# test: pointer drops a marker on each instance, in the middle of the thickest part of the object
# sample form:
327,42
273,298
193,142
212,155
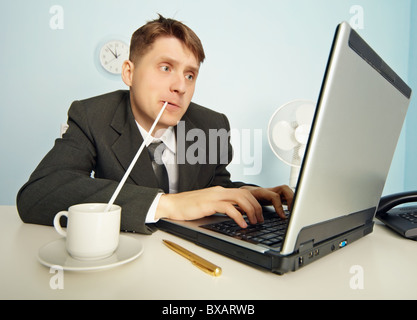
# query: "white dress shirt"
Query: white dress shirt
170,161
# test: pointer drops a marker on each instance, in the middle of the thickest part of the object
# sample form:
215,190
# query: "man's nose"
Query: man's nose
178,84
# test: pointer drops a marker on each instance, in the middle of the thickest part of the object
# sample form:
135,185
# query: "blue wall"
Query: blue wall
260,55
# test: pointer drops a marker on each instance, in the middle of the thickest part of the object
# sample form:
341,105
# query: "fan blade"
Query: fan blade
305,113
283,136
302,133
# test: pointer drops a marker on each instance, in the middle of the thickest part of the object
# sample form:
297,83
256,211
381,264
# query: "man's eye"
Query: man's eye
165,68
189,77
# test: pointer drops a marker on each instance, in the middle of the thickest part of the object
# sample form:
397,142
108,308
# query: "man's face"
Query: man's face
167,72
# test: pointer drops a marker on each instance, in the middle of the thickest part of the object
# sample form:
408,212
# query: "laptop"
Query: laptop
357,123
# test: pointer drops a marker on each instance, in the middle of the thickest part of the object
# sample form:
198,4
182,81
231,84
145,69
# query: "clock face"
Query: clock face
113,54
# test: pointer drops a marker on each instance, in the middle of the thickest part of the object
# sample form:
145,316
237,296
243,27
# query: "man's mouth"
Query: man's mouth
172,106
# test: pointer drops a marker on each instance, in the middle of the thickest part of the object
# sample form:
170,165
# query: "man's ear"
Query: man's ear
127,72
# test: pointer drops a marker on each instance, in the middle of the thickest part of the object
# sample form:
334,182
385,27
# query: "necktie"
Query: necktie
155,152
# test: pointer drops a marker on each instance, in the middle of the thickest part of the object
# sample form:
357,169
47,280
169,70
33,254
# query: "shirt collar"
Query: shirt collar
168,137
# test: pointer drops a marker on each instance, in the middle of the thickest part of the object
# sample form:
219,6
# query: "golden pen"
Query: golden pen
196,260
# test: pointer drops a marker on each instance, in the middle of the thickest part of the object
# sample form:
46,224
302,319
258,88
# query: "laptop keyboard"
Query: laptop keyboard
270,233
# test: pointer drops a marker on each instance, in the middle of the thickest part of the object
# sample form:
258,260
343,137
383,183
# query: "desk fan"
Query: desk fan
288,132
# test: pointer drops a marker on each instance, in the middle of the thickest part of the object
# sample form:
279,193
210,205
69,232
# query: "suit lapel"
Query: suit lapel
127,145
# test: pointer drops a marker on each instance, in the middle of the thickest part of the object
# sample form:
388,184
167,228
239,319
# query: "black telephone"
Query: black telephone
402,220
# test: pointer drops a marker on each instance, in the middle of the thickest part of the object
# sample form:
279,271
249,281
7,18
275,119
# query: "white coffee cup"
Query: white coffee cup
91,233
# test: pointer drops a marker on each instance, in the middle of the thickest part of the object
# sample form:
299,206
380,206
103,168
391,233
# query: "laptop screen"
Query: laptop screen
357,124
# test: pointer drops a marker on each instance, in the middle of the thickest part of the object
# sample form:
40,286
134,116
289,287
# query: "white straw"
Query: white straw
132,164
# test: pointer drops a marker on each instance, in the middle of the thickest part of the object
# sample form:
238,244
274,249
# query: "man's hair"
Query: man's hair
145,36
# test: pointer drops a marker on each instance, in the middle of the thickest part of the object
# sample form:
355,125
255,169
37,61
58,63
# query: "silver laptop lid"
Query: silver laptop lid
358,121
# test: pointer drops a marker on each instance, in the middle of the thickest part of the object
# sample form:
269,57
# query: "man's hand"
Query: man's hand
276,196
196,204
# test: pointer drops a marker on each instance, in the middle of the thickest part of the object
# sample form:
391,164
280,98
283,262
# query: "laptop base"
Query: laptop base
270,260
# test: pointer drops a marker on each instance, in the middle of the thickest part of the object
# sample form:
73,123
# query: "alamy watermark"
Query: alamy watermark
357,21
356,282
197,146
56,22
57,280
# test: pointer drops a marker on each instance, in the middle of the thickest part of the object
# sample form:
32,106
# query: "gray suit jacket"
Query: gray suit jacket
103,137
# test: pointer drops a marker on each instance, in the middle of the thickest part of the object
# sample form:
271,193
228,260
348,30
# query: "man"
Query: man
105,132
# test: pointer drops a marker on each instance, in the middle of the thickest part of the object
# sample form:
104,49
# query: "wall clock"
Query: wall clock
112,55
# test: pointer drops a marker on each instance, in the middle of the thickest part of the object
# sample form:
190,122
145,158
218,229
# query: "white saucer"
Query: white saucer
55,254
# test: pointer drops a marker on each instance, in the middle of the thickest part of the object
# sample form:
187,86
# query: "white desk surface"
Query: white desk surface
387,260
